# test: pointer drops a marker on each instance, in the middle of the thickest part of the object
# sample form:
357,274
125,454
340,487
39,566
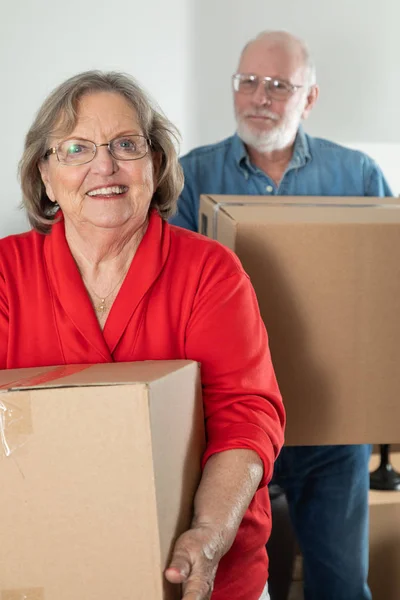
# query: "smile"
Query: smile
113,190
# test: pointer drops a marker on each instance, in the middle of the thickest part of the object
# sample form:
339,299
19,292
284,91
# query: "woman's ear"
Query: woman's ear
44,173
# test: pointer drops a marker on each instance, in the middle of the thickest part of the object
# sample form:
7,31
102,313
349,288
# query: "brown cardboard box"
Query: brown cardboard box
327,276
393,448
102,465
384,572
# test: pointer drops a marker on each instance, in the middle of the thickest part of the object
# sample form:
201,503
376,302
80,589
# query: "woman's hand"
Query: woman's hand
195,560
229,482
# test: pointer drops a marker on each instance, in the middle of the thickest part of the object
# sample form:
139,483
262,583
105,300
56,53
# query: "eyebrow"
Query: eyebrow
85,139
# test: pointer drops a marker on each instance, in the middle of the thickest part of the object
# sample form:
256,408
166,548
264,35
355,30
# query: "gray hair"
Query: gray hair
59,111
285,38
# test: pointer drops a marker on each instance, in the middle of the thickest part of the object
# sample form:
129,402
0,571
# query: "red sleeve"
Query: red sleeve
243,405
3,323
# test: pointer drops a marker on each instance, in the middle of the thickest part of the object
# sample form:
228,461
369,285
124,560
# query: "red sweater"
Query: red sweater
184,296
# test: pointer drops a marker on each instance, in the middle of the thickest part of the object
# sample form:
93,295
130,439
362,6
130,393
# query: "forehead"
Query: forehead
267,57
104,114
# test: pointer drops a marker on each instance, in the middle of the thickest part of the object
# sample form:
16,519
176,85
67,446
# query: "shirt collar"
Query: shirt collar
301,152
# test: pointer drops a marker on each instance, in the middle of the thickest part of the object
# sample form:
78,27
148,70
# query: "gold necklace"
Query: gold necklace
102,307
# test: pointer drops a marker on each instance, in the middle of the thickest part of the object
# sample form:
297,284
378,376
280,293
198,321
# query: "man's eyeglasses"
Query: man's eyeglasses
79,152
278,89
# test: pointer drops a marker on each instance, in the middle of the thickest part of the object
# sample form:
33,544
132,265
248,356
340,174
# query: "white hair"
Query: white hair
287,39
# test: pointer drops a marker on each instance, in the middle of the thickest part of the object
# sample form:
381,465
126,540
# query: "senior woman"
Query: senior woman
102,277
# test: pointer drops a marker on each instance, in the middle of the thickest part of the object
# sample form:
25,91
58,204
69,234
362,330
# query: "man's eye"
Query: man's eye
249,81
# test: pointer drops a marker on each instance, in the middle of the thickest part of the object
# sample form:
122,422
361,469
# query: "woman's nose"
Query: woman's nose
104,162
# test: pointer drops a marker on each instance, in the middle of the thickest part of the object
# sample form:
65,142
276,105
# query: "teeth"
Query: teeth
107,191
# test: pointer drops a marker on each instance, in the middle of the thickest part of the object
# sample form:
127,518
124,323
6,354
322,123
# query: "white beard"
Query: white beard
279,137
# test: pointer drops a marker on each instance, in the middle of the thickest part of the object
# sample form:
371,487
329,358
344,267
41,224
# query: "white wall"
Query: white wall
184,51
45,41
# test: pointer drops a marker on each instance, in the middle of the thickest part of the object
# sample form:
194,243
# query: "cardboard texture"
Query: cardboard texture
100,479
327,276
384,572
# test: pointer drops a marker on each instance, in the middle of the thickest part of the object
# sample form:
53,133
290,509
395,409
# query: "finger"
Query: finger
197,589
179,568
174,575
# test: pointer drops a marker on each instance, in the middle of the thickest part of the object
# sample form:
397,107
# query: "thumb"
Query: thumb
179,568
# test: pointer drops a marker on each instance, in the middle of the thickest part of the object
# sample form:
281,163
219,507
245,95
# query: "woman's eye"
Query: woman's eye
75,149
127,145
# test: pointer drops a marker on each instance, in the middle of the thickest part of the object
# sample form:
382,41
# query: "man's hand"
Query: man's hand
195,560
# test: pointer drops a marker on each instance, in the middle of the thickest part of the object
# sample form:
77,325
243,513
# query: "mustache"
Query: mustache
264,113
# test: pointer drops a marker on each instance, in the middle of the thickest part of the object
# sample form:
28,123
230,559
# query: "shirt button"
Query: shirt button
269,189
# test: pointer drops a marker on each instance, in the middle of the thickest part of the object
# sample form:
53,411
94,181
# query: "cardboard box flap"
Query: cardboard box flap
325,215
230,200
102,374
254,210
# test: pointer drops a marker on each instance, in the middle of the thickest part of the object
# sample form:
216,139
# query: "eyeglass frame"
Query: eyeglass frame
54,149
292,88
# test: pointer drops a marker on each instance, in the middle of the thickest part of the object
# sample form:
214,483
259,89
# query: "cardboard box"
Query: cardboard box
98,468
384,571
327,276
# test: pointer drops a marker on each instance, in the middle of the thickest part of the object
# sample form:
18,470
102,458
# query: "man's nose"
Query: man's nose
261,95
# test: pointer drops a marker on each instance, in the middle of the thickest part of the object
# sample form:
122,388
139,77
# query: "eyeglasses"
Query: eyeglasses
278,89
74,152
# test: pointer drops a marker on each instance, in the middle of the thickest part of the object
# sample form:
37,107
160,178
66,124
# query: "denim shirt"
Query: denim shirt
317,168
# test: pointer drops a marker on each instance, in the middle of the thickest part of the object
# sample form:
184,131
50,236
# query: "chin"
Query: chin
264,140
259,140
108,224
107,219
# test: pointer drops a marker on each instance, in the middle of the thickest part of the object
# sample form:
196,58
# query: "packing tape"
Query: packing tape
15,409
44,378
15,422
23,594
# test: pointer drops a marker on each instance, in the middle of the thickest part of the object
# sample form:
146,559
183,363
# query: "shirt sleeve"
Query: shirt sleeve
375,182
186,215
242,402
